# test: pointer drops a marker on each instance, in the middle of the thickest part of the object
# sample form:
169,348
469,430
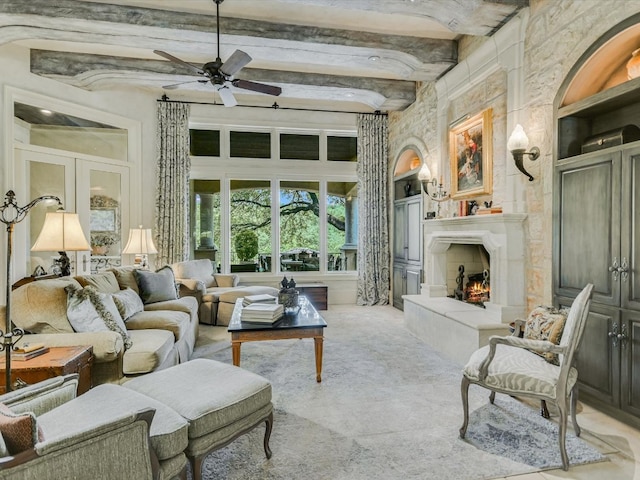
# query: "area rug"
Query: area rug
388,408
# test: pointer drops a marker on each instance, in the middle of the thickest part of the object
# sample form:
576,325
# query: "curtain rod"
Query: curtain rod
275,106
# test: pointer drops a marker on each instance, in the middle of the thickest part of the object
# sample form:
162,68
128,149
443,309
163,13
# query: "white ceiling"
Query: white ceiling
354,55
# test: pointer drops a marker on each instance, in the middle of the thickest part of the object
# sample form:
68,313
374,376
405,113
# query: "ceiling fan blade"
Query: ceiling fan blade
227,97
257,87
168,56
235,62
173,86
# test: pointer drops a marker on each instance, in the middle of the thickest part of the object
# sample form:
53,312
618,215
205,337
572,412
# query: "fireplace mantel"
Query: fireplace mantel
503,237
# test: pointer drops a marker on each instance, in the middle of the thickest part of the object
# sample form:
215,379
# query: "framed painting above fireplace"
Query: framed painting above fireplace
470,146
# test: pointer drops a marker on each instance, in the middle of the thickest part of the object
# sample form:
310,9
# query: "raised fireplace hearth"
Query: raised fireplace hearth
457,328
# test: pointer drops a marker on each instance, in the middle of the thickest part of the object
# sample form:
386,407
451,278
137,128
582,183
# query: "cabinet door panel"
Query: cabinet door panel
398,286
399,231
630,229
414,229
588,229
598,358
413,280
630,351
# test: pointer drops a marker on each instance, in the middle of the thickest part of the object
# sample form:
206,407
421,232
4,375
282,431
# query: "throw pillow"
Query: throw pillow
91,311
19,431
224,280
128,303
157,286
546,323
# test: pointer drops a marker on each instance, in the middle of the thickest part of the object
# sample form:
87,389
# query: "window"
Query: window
250,225
299,226
250,145
342,149
299,147
204,143
205,220
342,226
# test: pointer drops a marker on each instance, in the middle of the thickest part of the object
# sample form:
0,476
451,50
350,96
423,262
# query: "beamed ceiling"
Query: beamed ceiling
344,55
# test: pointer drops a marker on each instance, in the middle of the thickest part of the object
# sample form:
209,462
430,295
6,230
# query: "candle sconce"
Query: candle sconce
438,193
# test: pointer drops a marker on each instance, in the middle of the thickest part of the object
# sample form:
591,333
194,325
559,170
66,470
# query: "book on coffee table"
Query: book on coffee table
260,298
28,352
261,313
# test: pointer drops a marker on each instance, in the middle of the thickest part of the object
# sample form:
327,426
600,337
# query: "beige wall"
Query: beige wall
557,34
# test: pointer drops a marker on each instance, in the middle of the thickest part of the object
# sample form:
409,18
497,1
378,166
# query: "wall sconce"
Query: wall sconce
440,194
518,144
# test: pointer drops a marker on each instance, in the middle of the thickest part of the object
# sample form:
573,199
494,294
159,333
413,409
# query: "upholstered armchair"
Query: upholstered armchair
510,365
79,447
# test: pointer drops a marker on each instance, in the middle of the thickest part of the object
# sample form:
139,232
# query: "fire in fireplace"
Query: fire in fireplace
476,291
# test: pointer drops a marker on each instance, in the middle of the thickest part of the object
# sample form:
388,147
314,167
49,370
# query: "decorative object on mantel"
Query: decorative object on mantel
470,157
440,195
517,145
288,295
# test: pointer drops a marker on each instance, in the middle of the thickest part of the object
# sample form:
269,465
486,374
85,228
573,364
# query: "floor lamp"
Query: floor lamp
10,214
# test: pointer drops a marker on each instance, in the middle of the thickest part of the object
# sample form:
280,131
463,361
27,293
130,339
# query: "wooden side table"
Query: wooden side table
316,293
57,361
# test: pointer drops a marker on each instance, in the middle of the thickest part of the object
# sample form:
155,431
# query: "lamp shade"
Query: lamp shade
61,232
424,173
518,139
140,242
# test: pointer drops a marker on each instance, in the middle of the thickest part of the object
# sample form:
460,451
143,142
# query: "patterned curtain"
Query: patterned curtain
172,193
373,226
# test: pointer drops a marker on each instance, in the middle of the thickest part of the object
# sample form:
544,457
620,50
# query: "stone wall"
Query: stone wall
557,34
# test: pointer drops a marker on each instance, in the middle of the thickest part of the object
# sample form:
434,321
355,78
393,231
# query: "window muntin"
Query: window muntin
342,226
299,226
250,211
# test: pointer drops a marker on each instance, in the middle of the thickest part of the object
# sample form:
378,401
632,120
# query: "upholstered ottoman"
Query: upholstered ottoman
220,402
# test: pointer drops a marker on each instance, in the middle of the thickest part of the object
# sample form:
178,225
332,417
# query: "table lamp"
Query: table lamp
141,244
61,232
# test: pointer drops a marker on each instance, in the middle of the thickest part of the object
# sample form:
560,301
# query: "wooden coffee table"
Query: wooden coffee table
307,323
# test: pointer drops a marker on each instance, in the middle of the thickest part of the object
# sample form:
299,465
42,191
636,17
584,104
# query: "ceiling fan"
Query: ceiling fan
221,74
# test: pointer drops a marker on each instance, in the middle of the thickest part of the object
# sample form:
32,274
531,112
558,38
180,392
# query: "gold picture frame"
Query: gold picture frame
470,156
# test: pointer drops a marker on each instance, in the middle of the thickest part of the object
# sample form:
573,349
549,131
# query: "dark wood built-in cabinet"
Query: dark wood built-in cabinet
596,240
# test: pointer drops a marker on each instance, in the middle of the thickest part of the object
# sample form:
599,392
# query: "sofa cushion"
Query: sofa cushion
184,304
128,302
156,286
170,320
41,306
225,394
168,432
91,311
150,349
230,296
224,280
105,282
126,278
201,270
19,430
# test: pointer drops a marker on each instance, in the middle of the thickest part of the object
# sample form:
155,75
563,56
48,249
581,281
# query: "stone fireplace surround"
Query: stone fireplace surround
456,328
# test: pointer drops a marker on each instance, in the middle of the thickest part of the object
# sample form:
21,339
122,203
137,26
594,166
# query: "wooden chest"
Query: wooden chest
57,361
316,293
